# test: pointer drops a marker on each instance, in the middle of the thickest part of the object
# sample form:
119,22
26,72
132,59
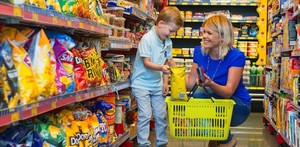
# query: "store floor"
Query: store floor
252,133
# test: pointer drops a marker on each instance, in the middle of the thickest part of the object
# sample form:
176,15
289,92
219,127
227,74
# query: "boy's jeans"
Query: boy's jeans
148,102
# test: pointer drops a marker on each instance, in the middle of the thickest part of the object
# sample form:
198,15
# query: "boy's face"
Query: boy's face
165,30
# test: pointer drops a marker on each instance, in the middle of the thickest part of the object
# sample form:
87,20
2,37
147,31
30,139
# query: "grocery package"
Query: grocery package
53,5
64,39
80,75
43,63
14,136
64,68
10,78
178,86
51,134
68,6
26,78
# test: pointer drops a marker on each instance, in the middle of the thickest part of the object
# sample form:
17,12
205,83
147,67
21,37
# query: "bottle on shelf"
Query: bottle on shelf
253,75
260,76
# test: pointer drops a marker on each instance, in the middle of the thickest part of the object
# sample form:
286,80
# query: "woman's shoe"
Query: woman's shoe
213,143
232,143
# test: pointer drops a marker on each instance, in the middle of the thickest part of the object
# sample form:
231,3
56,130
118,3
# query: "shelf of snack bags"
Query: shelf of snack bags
199,37
25,13
212,3
10,115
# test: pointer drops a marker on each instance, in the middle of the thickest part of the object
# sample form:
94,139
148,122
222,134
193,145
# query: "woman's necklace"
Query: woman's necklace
208,62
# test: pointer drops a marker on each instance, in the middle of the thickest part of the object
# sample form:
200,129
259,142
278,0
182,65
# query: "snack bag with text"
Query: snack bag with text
178,87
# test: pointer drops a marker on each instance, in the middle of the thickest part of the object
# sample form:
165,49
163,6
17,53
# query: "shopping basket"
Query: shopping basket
204,119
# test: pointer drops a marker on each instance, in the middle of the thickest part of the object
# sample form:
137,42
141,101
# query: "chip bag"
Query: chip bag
27,83
51,134
43,64
178,86
64,68
10,79
80,75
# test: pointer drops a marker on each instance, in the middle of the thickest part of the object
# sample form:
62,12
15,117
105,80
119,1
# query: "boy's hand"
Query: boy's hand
166,69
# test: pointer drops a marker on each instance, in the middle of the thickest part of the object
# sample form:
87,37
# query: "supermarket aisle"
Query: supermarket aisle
252,133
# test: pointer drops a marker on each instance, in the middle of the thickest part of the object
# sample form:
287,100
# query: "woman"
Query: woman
223,65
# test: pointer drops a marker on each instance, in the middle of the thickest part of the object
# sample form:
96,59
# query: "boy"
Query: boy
149,80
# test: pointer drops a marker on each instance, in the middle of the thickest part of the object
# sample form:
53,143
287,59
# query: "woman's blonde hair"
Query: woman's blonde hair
170,15
223,26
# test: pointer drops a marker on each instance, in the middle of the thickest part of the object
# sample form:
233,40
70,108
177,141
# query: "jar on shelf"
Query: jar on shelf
119,21
118,11
188,15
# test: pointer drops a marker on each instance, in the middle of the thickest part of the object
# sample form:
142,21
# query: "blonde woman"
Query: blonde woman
223,65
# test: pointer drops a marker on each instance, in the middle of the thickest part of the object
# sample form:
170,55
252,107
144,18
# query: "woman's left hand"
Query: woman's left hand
207,81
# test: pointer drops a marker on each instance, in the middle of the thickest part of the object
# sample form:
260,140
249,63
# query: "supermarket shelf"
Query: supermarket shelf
277,130
213,4
132,108
232,20
199,37
182,56
120,140
8,116
295,106
119,43
295,54
28,14
255,88
140,14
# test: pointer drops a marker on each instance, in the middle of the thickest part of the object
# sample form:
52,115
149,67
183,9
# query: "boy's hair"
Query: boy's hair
170,15
223,26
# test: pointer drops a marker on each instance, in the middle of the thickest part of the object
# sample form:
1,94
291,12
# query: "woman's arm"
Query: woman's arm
234,77
192,78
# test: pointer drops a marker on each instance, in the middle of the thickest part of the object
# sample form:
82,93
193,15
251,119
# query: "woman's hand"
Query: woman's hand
207,81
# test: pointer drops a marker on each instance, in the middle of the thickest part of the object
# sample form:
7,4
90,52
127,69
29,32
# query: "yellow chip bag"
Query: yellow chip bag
178,87
43,64
27,82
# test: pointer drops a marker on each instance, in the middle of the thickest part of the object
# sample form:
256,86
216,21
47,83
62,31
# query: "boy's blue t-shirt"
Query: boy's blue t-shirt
220,69
151,47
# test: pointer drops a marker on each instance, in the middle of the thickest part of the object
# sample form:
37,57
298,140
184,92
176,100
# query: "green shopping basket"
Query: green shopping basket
204,119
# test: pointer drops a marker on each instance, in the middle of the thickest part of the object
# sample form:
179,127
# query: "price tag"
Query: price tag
15,116
53,105
79,98
34,111
55,20
69,23
195,37
186,37
92,28
249,21
81,25
205,4
172,3
188,20
195,20
184,3
92,94
17,11
35,17
243,4
253,4
178,37
102,30
195,4
213,3
234,21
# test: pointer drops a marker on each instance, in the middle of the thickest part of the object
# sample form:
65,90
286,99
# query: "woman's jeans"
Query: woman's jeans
240,114
151,102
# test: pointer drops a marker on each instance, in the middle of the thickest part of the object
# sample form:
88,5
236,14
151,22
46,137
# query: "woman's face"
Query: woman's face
211,39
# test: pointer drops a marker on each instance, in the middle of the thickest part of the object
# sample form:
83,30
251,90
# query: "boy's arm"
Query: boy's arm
165,68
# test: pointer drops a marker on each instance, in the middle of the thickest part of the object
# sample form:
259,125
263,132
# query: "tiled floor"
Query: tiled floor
252,133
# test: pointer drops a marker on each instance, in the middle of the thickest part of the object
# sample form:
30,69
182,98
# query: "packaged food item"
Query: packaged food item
10,79
80,75
64,68
118,11
178,86
119,22
26,78
43,64
51,134
53,5
68,6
